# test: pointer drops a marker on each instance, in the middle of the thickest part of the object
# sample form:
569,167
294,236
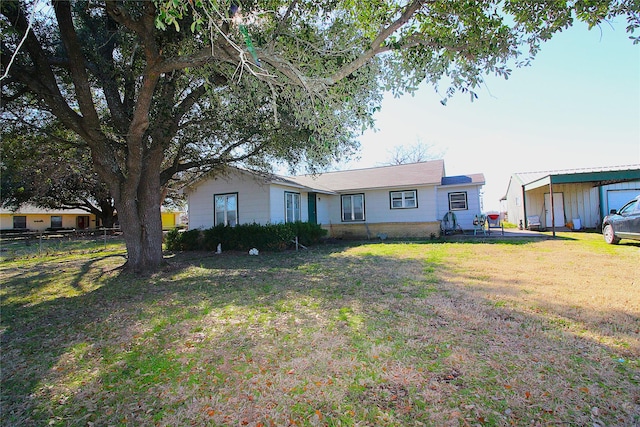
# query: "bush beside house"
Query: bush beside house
245,236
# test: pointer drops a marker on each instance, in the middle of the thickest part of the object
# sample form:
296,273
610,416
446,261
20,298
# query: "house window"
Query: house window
458,201
353,207
404,199
19,222
56,221
226,209
292,207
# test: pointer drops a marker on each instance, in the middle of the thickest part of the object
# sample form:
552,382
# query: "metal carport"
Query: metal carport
597,177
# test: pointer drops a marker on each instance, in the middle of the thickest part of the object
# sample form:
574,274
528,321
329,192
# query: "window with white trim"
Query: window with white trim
292,207
458,201
226,209
353,207
404,199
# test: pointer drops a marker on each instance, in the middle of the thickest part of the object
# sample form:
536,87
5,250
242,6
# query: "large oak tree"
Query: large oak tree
159,88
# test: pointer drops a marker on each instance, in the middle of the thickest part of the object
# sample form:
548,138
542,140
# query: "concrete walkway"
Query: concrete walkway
496,233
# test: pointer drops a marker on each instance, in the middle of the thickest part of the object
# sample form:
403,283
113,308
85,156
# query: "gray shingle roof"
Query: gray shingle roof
396,176
413,174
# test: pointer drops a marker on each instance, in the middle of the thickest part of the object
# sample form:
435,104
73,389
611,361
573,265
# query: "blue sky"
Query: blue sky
576,106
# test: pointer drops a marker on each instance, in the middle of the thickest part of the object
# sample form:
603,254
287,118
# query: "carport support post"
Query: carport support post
603,210
553,214
524,208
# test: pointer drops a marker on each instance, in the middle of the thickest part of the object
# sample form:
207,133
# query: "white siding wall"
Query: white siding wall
464,217
253,199
262,203
515,205
278,204
324,203
304,205
377,207
580,201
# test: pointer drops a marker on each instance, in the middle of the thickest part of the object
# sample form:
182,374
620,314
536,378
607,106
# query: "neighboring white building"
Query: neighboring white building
585,195
398,201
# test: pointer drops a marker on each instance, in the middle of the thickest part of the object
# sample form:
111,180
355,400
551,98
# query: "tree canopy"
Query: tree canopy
157,89
49,169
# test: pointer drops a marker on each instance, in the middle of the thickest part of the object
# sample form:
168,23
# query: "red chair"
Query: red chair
494,220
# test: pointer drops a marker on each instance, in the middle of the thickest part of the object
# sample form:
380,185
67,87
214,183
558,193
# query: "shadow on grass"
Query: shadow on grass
21,281
117,354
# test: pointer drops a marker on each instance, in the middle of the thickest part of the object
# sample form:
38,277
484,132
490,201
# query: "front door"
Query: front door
82,222
312,205
558,209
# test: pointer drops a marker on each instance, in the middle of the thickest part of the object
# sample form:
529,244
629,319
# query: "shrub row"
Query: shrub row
245,236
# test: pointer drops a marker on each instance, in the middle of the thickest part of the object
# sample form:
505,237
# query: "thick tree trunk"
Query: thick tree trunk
141,224
107,211
141,221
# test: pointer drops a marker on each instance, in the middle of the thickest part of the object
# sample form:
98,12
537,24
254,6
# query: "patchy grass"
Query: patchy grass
44,246
534,333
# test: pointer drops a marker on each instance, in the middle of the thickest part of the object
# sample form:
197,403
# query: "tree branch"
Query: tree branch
284,18
107,75
76,64
377,46
144,29
43,84
222,158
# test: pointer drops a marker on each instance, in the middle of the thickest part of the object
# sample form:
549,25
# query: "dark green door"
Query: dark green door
313,215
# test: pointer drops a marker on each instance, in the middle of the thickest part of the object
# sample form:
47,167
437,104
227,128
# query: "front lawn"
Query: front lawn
509,332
